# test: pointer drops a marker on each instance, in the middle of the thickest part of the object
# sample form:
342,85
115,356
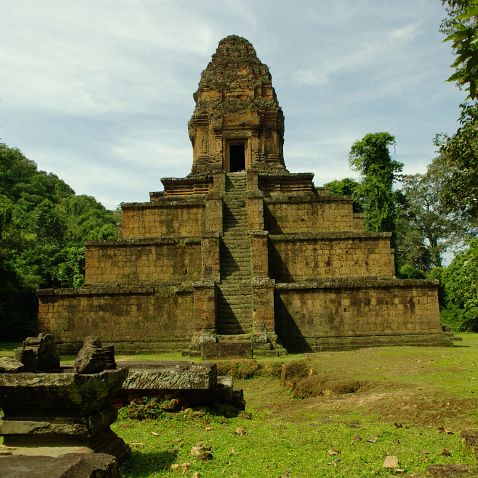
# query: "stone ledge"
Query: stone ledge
170,376
190,179
164,240
349,342
166,203
305,199
329,236
357,283
95,290
158,344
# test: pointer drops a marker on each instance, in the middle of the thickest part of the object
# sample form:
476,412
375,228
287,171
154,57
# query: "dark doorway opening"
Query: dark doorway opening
237,160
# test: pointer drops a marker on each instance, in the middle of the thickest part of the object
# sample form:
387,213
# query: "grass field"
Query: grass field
411,402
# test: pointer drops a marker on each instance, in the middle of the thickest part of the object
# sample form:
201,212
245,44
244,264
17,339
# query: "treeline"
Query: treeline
43,227
433,214
430,215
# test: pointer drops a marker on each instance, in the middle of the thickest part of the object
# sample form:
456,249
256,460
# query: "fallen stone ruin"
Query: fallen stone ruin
56,419
189,384
55,416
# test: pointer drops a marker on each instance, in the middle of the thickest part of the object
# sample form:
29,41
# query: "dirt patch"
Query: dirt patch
393,403
304,381
294,372
315,386
245,369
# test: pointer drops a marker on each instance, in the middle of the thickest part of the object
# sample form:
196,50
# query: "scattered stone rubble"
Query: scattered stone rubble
51,411
189,383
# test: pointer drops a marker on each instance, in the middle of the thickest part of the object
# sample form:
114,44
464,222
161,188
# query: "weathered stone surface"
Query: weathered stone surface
73,465
91,358
470,437
452,471
10,365
109,352
211,350
39,353
61,409
390,461
187,383
171,376
242,249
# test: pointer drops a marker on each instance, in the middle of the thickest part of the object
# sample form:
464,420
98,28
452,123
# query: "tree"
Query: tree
426,226
346,187
460,280
371,158
461,26
458,160
43,227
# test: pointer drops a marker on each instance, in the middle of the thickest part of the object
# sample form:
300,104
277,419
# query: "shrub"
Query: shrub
141,409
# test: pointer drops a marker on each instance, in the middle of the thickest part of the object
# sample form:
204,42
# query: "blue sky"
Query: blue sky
99,92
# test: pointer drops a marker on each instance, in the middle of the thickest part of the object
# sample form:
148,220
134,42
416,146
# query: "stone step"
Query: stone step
232,331
235,236
236,259
225,305
235,274
234,306
238,269
235,286
236,328
234,338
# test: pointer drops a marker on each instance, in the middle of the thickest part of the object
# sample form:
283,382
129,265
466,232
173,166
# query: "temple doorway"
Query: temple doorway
237,158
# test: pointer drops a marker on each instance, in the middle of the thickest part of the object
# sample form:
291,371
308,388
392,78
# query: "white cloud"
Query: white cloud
99,92
404,34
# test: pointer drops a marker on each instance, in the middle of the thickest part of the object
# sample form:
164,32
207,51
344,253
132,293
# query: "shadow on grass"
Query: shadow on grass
7,348
140,464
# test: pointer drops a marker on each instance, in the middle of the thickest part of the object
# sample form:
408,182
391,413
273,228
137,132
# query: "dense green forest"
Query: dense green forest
43,227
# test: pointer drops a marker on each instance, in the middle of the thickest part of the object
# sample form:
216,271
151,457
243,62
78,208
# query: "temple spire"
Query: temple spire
237,123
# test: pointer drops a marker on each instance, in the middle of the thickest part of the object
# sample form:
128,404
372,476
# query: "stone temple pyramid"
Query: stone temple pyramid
241,252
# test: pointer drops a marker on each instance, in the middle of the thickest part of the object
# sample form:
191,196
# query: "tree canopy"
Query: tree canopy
371,157
458,160
43,227
461,28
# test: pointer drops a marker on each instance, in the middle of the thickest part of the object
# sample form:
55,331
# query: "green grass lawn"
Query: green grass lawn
414,404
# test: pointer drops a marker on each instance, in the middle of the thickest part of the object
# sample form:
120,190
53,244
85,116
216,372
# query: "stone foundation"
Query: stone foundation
342,314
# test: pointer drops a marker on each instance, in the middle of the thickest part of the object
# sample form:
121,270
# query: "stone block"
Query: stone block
61,409
70,465
213,350
10,365
170,376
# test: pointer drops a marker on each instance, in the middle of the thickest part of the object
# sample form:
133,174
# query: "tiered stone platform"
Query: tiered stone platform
242,255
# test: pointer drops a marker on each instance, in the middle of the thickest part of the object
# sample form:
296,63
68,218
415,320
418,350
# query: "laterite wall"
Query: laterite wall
320,314
148,220
306,257
133,319
111,262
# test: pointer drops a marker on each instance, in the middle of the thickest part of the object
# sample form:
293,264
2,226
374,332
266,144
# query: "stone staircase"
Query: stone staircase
234,302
